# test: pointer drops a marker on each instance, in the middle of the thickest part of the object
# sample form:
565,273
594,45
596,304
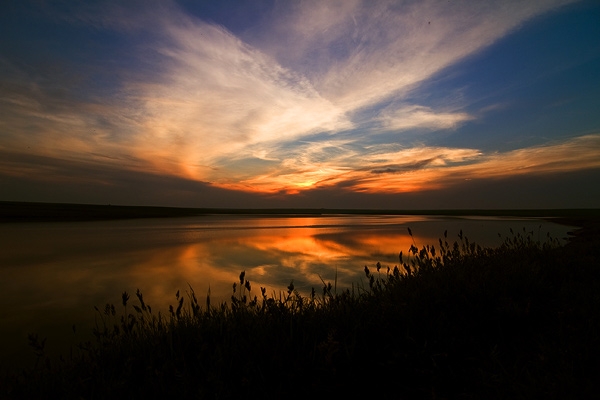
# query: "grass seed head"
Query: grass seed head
125,298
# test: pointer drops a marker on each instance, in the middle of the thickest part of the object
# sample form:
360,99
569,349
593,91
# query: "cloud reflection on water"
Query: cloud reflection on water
53,274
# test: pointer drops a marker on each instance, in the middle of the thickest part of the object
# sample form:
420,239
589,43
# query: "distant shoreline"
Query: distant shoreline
63,212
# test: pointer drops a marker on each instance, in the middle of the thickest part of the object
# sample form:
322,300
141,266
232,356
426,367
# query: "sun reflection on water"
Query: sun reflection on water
53,275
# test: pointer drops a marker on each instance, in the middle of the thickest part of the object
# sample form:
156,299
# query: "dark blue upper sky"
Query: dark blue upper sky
404,104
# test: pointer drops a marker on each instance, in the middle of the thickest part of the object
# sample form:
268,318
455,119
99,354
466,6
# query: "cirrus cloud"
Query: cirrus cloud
317,95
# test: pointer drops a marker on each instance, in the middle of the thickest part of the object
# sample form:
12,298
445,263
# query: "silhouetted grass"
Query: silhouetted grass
452,320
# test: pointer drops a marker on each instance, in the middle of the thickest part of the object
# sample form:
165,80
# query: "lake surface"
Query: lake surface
53,274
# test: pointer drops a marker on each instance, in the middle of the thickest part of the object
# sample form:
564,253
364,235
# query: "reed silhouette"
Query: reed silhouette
448,321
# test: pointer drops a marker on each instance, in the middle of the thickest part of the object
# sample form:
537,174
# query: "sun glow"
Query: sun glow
423,168
356,104
305,184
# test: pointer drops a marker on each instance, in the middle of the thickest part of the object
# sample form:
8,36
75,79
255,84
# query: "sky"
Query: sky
315,104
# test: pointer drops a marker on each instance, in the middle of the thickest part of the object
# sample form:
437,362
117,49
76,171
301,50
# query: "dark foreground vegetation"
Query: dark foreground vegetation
450,321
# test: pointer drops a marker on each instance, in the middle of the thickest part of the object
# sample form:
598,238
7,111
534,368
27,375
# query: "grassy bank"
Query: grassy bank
450,321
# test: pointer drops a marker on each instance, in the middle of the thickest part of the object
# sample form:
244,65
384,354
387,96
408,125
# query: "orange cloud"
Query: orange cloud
258,115
425,168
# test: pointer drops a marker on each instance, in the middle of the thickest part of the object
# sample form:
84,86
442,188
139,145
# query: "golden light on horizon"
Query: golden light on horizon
361,103
428,169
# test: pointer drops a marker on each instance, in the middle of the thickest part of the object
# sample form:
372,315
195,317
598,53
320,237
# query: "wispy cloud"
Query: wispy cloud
419,117
438,168
383,169
359,53
276,110
219,96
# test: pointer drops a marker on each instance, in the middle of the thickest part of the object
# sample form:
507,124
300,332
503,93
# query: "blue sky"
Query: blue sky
352,104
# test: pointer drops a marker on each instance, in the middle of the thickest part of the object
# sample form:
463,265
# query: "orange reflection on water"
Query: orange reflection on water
53,274
272,258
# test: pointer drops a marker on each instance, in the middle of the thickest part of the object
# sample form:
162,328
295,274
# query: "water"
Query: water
53,274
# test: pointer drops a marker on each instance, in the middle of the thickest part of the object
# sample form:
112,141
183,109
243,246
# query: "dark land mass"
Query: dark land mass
56,212
588,228
62,212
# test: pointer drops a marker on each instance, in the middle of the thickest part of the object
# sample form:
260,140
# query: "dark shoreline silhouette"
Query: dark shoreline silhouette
11,211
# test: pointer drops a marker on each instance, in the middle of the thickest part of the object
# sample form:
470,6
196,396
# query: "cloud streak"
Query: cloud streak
391,169
361,53
441,168
219,97
321,95
420,117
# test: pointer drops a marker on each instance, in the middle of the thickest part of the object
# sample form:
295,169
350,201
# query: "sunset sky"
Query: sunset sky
325,103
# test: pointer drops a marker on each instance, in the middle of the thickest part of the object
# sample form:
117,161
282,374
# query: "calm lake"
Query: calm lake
53,274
